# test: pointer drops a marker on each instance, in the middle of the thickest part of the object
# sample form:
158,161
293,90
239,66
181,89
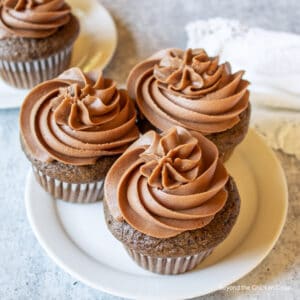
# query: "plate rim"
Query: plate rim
17,104
125,293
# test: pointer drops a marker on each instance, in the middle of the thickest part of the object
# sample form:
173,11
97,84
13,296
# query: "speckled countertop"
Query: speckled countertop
144,26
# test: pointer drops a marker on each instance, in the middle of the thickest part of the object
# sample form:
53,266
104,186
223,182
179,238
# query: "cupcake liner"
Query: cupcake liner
27,74
168,265
70,192
226,155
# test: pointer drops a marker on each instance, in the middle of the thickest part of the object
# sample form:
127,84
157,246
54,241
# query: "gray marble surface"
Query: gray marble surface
144,26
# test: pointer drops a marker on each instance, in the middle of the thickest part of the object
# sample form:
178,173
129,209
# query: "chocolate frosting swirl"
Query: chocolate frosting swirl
77,118
188,89
166,184
33,18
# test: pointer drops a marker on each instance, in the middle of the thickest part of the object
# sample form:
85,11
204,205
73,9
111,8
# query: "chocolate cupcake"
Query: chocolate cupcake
72,129
190,89
36,40
170,201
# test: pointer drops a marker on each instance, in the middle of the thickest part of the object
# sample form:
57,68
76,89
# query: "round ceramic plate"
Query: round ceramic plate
93,49
76,238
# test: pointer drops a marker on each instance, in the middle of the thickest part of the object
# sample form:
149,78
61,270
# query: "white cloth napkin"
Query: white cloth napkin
272,63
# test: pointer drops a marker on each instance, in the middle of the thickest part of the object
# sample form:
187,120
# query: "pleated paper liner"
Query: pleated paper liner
168,265
226,155
27,74
70,192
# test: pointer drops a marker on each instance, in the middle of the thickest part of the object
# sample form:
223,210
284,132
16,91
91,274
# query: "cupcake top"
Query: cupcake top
188,89
77,118
32,18
166,184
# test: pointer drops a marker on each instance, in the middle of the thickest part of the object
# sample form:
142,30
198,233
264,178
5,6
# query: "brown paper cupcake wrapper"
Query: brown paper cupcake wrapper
70,192
168,265
226,155
27,74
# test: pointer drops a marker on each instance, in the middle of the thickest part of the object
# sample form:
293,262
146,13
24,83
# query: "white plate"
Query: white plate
93,49
76,237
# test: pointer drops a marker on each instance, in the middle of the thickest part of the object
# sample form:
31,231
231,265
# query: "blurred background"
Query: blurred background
147,26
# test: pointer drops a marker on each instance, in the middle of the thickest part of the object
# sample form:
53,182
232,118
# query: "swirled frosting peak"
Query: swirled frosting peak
85,106
33,18
175,160
187,72
188,89
166,184
77,118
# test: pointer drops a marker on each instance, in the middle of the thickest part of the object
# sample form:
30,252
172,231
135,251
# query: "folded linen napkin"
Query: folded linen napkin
272,63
